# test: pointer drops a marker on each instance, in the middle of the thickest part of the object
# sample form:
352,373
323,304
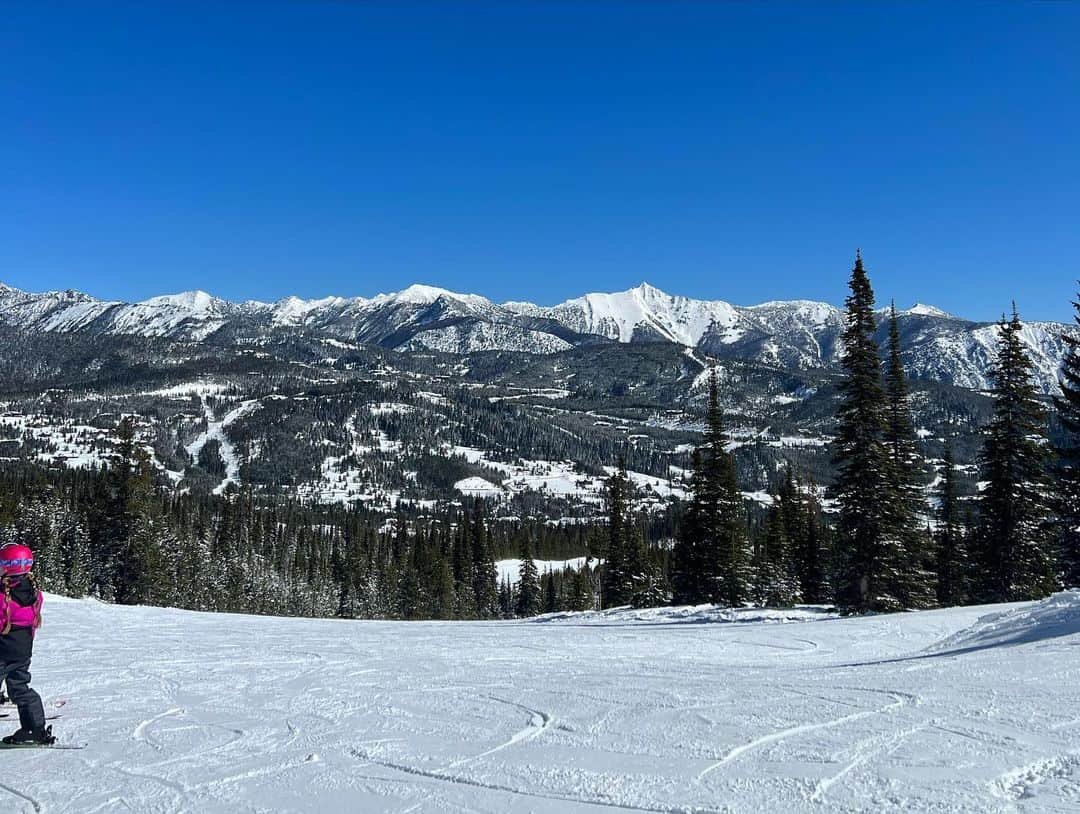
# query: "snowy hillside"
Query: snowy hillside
796,335
934,711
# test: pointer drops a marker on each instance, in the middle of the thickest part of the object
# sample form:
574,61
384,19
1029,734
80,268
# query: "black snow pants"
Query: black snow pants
16,650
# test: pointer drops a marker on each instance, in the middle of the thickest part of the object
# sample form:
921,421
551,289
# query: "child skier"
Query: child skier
20,617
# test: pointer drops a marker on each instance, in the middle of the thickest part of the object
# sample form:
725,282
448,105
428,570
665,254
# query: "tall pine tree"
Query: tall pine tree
550,601
1068,475
485,581
1015,544
528,593
687,566
862,486
906,559
132,531
617,571
711,558
803,528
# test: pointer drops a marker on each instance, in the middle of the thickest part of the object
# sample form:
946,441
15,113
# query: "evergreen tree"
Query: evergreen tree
1015,546
145,577
801,517
550,592
687,561
581,590
616,584
711,553
445,606
650,585
774,585
113,513
485,584
952,562
906,562
410,594
862,482
133,534
528,596
813,581
505,608
623,571
1068,474
462,560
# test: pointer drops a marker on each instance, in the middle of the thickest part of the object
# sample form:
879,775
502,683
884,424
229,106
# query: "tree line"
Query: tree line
868,541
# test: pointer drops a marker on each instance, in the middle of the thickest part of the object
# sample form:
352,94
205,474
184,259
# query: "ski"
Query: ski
13,714
42,745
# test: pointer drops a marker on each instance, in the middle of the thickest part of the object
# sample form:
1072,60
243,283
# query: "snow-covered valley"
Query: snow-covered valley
672,711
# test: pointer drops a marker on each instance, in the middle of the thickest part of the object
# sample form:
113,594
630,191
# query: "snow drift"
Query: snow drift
1052,618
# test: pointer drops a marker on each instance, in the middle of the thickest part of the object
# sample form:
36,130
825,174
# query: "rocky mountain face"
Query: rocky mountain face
793,335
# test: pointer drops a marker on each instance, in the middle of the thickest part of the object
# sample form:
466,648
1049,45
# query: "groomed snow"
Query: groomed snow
674,712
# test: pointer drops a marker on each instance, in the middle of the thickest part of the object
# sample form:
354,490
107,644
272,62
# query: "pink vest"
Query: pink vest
12,614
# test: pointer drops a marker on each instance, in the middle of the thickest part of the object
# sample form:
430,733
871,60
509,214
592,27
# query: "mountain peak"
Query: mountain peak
420,294
920,309
619,315
195,301
292,310
423,294
646,289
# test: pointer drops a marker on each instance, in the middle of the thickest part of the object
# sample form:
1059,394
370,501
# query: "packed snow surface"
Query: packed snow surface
684,710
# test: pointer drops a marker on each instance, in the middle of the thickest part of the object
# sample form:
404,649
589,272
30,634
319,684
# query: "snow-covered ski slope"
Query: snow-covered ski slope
668,712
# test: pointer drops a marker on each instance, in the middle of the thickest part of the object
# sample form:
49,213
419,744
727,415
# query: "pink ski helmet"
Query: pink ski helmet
16,560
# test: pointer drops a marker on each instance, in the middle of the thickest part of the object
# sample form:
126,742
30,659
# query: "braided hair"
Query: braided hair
7,606
37,596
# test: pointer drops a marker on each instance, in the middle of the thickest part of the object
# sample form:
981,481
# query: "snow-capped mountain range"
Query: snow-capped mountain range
795,334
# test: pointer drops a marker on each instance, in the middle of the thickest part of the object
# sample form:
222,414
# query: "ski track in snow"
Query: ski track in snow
899,699
538,723
14,792
863,752
139,733
186,712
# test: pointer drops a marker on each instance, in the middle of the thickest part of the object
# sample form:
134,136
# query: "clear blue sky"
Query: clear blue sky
539,150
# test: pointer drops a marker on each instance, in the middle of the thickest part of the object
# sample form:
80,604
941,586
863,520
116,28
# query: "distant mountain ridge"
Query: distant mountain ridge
798,334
